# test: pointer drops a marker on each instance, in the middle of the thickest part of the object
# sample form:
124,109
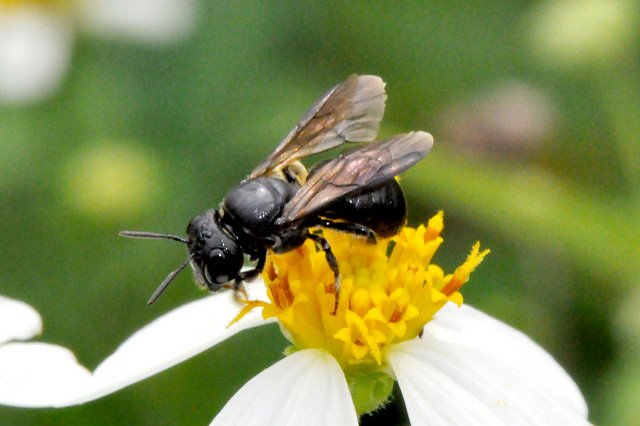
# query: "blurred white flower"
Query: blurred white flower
35,50
512,119
36,38
467,367
151,21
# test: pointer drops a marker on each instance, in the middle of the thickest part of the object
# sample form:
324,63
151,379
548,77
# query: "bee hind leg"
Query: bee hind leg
332,261
350,228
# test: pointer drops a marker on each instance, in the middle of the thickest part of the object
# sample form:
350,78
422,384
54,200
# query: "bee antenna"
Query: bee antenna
153,236
165,283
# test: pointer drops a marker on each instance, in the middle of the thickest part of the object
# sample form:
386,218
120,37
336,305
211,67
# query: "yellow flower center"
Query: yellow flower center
388,292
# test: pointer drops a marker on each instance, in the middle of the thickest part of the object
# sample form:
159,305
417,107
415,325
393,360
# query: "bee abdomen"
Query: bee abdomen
382,209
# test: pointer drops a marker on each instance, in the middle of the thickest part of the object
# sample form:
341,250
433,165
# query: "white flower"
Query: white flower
467,369
36,38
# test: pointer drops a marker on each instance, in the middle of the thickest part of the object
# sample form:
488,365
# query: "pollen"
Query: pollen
388,292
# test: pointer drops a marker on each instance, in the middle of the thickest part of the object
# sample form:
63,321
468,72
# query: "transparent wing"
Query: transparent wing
351,111
351,172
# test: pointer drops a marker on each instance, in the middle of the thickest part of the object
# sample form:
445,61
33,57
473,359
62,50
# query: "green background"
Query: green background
187,121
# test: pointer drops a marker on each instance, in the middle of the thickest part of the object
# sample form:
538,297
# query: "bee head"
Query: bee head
215,256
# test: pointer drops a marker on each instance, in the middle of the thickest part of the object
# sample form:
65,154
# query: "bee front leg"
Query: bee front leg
248,275
252,273
239,290
331,260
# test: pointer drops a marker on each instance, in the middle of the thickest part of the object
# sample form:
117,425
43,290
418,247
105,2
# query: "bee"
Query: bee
280,205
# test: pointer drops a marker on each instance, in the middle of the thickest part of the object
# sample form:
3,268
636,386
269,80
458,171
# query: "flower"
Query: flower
37,36
398,317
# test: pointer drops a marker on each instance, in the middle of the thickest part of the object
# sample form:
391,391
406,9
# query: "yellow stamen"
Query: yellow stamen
434,226
248,307
462,272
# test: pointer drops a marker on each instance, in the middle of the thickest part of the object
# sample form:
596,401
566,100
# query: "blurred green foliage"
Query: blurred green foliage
171,128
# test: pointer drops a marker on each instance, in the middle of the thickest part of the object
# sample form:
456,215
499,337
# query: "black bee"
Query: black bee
277,204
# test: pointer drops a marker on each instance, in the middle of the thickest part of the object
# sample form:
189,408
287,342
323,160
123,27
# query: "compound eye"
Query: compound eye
216,267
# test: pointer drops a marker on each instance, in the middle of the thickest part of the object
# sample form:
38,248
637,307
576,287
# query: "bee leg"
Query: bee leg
331,260
252,273
238,289
351,228
248,275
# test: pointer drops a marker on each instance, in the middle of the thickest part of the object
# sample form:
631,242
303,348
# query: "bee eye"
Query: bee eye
216,267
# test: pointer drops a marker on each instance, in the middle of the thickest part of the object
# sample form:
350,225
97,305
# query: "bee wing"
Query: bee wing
351,111
351,172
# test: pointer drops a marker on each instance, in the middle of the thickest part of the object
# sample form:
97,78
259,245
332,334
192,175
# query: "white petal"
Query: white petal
307,387
469,368
145,20
178,335
18,321
35,51
38,374
475,329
